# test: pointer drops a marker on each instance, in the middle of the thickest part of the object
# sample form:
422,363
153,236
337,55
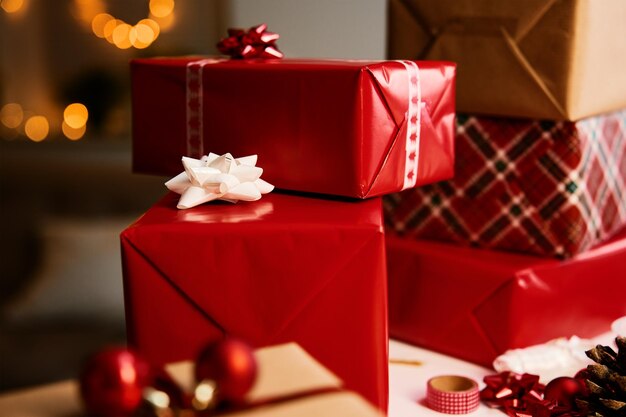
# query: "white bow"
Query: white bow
215,177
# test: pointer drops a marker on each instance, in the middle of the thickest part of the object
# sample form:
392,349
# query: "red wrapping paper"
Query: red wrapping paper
330,127
475,304
282,269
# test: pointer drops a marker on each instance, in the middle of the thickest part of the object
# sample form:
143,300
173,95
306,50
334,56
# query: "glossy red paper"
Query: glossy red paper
285,268
475,304
330,127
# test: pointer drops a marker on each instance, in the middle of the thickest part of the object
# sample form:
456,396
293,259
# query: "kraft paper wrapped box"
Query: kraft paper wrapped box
349,128
546,59
475,304
282,269
540,187
290,382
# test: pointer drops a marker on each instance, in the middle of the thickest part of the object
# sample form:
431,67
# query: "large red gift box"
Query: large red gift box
349,128
541,187
475,304
282,269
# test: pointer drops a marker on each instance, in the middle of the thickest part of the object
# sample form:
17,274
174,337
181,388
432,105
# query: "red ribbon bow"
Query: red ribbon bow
521,395
256,42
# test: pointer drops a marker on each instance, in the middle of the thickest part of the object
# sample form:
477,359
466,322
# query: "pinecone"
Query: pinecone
606,381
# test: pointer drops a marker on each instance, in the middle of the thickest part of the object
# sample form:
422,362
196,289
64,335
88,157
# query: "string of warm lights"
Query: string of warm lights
37,127
93,14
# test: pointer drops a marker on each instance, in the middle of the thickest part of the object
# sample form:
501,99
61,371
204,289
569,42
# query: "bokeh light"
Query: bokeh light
153,25
71,133
99,22
166,22
161,8
11,115
109,27
121,36
86,10
75,115
11,6
37,128
124,35
141,36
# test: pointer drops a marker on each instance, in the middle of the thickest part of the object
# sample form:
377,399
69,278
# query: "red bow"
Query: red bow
257,42
521,396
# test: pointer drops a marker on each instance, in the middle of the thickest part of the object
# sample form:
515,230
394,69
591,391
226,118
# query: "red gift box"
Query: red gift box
349,128
475,304
541,187
286,268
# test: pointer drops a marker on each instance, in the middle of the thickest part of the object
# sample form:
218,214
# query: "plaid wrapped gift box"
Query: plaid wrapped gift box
540,187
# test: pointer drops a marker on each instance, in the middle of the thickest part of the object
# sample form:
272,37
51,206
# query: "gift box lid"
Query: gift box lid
275,211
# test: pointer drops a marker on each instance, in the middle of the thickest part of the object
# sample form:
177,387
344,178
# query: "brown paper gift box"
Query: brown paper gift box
544,59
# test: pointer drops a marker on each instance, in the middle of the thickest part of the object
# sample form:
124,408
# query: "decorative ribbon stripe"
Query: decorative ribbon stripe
195,128
413,124
452,394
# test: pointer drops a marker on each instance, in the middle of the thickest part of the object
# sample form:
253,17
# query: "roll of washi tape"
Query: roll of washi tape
452,394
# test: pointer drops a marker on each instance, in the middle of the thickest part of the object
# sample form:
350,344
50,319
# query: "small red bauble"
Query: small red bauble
582,375
230,363
564,390
112,382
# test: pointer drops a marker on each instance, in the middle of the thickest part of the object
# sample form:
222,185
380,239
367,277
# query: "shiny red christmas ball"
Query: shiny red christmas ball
231,364
112,382
564,390
582,375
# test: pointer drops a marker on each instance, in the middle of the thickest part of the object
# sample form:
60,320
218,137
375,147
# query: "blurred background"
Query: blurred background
66,187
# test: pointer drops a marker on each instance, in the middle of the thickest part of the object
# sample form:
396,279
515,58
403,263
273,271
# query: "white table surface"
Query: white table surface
407,383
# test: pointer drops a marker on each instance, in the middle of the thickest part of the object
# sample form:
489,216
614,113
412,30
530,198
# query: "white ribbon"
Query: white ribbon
195,102
414,115
215,177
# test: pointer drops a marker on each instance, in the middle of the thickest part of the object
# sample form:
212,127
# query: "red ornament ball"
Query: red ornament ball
564,390
230,363
582,375
112,382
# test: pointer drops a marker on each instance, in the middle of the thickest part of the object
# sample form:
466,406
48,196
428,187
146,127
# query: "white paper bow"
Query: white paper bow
215,177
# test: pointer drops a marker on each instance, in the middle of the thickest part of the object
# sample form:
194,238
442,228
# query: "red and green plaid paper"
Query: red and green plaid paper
541,187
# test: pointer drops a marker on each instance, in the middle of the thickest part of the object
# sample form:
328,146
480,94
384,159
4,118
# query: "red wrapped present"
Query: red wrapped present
349,128
539,187
475,304
286,268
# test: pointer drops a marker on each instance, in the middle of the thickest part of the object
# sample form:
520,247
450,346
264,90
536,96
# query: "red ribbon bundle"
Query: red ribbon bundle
521,395
256,42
